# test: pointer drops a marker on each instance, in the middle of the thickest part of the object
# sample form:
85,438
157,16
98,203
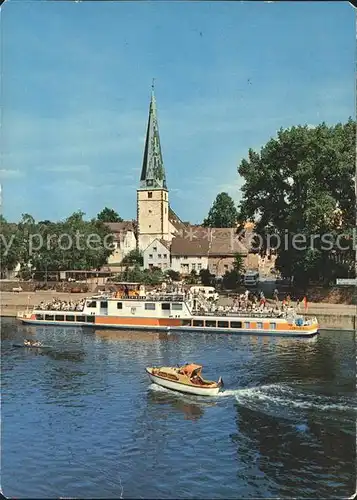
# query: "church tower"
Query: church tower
152,195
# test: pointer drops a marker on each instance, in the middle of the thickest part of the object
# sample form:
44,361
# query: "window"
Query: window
81,319
164,266
149,194
176,307
272,326
210,324
151,266
90,319
193,266
39,316
222,324
48,317
150,256
104,304
165,256
199,267
186,322
155,249
185,256
165,306
71,318
149,306
92,303
165,210
59,317
259,325
198,322
159,255
247,325
119,305
150,211
225,266
236,324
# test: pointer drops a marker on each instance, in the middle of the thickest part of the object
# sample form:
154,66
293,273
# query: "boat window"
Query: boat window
222,324
149,306
236,324
165,306
176,307
90,319
48,317
81,318
247,325
59,317
186,322
104,305
69,318
92,303
198,322
259,325
273,326
39,316
119,305
210,323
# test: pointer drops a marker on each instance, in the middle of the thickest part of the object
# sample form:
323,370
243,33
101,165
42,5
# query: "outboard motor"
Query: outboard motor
220,382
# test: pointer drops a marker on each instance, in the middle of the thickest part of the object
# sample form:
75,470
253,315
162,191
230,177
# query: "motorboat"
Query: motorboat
186,378
31,344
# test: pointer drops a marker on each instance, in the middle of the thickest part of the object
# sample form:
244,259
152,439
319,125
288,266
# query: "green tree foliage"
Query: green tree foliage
152,276
206,277
238,264
10,245
109,215
192,278
133,257
231,279
223,212
302,182
173,275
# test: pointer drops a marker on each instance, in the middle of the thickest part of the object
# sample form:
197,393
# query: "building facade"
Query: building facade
157,254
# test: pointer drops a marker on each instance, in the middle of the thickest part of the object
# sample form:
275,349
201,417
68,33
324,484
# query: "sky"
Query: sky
76,84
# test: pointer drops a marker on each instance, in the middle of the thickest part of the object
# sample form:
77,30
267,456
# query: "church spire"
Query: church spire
153,172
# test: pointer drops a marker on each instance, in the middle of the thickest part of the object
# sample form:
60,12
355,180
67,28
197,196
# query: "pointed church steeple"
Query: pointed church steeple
153,171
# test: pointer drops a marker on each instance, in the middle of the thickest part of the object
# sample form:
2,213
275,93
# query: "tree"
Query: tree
192,278
223,212
173,275
109,215
301,183
206,277
133,257
231,279
238,264
10,245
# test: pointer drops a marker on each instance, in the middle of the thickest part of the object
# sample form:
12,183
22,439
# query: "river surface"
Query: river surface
82,420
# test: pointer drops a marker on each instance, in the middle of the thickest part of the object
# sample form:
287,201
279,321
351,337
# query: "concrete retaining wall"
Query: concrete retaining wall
336,321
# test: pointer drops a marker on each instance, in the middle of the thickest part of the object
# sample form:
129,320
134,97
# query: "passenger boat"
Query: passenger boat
186,379
170,312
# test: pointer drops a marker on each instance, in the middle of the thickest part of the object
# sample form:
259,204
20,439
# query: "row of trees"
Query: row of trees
74,243
300,187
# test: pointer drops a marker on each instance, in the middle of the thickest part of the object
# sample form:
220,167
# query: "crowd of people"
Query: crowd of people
62,305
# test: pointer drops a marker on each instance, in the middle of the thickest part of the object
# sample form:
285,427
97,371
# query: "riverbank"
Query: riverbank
330,316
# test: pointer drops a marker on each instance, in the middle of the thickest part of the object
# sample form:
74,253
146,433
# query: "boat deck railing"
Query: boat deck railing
152,298
240,313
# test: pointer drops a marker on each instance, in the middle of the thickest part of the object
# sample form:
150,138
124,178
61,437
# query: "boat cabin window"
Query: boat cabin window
90,319
39,316
222,324
236,324
273,326
176,307
48,317
165,306
210,323
186,322
119,305
149,306
92,303
104,304
59,317
260,325
81,318
198,322
69,318
247,325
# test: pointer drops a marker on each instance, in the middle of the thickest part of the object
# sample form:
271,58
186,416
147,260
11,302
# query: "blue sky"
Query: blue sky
76,82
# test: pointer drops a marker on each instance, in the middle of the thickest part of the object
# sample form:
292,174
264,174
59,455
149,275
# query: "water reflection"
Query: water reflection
178,402
141,336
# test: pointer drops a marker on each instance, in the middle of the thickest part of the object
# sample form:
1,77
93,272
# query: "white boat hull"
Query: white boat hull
188,389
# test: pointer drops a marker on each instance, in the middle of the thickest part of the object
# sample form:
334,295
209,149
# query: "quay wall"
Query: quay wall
336,321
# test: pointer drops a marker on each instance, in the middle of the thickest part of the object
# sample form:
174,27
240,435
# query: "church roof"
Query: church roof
153,172
121,227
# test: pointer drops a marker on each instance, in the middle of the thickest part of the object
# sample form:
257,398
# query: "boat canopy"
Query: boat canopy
191,370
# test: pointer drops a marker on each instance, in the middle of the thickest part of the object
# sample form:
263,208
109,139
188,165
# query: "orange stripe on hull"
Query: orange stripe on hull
116,320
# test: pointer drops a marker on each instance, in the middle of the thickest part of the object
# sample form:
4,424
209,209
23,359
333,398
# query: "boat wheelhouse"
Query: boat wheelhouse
170,312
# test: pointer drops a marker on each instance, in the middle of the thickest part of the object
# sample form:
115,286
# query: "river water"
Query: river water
82,420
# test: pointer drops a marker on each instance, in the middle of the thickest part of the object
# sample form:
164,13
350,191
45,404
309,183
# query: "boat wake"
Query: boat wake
273,398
